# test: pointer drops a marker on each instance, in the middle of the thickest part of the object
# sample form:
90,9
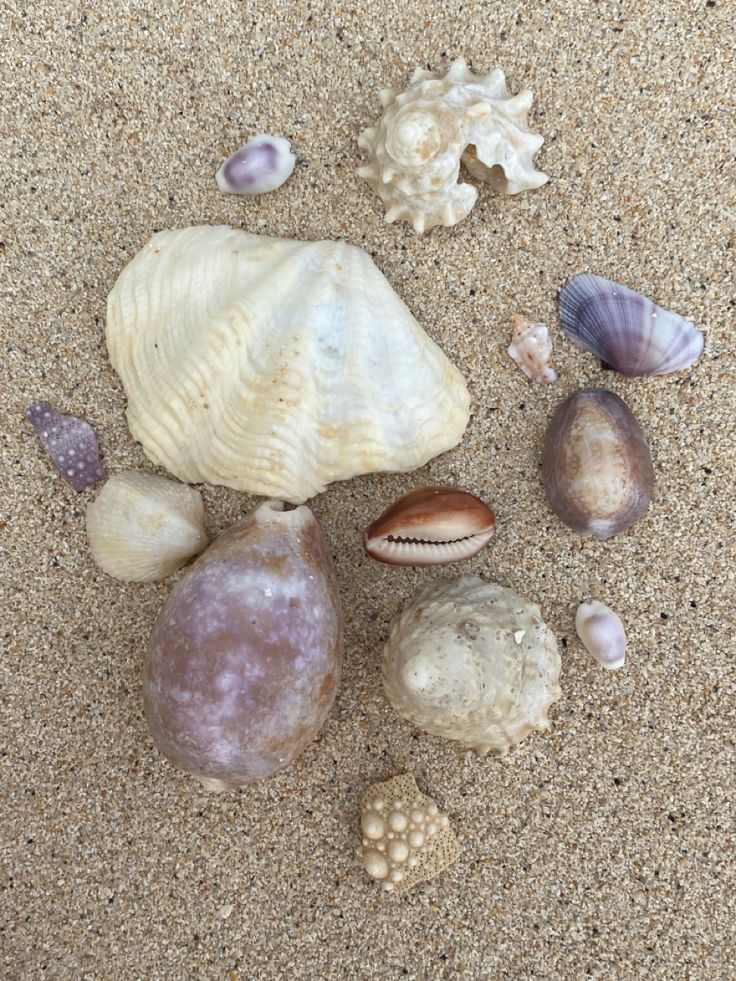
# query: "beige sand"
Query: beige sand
604,849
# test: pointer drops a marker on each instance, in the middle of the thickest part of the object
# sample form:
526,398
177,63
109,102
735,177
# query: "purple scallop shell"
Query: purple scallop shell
625,329
70,443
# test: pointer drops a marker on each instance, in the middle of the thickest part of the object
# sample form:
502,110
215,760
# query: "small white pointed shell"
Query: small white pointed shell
625,329
262,165
406,838
275,366
531,349
142,527
474,662
602,634
415,150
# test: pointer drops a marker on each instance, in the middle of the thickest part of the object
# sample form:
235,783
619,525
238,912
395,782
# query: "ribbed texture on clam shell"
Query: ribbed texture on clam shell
276,366
625,329
415,150
472,661
142,527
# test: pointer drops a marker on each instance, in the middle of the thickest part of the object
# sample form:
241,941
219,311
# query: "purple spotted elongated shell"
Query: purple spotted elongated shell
625,329
70,443
596,466
244,659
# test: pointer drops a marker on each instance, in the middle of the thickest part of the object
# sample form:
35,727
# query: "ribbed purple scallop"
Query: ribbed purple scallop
625,329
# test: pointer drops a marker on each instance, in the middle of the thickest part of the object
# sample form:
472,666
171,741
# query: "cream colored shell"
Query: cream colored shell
276,366
142,527
406,838
472,661
415,150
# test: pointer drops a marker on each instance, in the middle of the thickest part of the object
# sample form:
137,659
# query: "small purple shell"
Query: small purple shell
625,329
71,444
262,165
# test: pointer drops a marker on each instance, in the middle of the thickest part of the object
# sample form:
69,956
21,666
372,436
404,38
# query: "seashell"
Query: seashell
244,659
275,366
262,165
626,330
602,634
472,661
430,526
531,349
406,838
415,149
142,527
596,465
70,443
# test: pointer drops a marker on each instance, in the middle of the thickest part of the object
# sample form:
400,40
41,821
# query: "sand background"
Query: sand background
604,849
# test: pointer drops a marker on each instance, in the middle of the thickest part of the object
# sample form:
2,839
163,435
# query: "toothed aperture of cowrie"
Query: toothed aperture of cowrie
430,526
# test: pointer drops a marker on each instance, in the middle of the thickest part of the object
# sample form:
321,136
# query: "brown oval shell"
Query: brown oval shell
430,526
596,465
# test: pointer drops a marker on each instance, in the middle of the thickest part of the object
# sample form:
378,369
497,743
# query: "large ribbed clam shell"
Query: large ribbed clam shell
625,329
415,149
275,366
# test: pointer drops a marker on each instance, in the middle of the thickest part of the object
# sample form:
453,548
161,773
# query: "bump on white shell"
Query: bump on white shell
142,527
472,661
602,634
275,366
415,150
411,852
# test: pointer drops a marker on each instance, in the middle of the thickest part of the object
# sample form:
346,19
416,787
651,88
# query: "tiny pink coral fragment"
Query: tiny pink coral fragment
70,443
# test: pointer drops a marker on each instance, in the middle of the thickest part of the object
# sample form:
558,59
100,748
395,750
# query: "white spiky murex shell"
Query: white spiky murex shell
415,150
276,366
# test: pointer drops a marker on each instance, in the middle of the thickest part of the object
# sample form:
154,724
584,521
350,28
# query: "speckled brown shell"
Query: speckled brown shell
596,465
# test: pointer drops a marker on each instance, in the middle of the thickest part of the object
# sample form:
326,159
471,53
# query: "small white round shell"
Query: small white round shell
142,527
262,165
602,634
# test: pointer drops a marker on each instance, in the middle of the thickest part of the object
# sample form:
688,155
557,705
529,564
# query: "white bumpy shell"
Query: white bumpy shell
142,527
415,150
275,366
472,661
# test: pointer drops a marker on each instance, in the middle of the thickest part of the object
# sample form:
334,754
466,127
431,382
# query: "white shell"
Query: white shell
142,527
602,634
275,366
406,839
262,165
414,151
531,349
472,661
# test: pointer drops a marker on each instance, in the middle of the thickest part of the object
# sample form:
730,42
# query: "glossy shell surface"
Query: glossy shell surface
596,465
430,526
